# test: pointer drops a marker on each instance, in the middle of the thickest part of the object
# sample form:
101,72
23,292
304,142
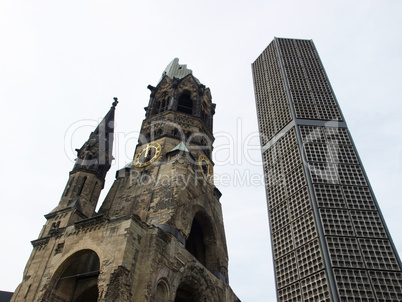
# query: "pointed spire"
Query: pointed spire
95,155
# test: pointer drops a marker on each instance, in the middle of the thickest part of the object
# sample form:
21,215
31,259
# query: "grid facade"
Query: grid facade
329,239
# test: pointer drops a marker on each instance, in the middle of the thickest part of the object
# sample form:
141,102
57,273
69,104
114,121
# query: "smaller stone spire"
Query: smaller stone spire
96,154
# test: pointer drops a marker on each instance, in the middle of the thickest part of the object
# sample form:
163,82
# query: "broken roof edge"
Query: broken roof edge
178,71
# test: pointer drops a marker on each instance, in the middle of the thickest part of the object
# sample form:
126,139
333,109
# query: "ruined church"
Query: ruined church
159,233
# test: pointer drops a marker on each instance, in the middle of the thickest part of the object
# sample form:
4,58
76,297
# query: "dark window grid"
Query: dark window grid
295,180
315,288
358,198
351,175
312,134
336,222
309,258
343,154
337,135
282,242
329,196
353,285
387,284
318,152
323,173
299,203
279,216
368,224
286,270
304,229
378,254
291,293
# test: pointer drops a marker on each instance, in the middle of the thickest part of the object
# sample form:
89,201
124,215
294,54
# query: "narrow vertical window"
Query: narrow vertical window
82,186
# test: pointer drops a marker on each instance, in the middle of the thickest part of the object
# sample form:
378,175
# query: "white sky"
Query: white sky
62,62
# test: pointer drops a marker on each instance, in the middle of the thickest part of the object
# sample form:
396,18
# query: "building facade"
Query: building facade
329,238
159,234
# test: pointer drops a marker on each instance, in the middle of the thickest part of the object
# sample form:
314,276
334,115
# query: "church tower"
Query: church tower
159,234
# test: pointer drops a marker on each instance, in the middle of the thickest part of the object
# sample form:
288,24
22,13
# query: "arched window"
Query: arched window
201,242
76,279
162,291
185,293
195,242
155,108
185,103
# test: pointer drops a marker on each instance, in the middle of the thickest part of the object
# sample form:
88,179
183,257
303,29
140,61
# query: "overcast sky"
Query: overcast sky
62,62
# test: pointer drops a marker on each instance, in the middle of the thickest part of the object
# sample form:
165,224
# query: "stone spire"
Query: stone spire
95,155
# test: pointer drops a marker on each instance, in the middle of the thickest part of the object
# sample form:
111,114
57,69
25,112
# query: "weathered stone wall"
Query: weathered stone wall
108,239
133,258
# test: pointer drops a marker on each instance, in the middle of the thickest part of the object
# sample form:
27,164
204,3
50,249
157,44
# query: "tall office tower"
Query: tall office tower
329,239
159,235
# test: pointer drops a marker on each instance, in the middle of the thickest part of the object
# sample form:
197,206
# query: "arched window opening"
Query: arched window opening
202,243
155,108
195,242
160,104
185,293
78,282
162,292
185,103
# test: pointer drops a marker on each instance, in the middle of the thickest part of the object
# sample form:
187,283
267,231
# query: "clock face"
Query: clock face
147,155
206,168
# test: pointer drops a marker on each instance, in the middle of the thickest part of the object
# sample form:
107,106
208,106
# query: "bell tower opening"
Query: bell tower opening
185,103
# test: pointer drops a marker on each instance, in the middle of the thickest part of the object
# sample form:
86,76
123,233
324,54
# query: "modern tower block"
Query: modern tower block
329,238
